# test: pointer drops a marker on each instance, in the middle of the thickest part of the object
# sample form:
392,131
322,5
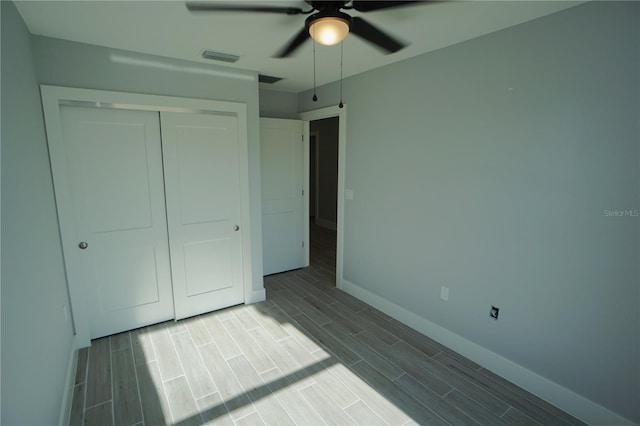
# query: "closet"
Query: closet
150,204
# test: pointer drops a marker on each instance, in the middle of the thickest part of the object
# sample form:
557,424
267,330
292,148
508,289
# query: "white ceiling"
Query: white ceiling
167,28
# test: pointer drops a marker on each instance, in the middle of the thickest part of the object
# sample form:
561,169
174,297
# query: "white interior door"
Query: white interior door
202,184
281,165
113,161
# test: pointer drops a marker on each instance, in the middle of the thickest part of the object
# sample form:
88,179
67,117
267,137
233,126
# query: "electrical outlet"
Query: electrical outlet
493,313
444,293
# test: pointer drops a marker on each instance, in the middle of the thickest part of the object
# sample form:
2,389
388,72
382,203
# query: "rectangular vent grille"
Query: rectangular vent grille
268,79
219,56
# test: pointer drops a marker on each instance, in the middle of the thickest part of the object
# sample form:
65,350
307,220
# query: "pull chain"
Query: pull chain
341,105
315,97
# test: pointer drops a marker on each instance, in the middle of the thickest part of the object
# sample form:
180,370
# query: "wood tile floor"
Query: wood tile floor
310,354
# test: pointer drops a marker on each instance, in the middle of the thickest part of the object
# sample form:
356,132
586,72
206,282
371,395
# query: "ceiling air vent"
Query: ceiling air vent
269,79
219,56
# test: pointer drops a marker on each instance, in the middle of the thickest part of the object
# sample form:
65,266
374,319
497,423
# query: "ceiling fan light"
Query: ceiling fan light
329,30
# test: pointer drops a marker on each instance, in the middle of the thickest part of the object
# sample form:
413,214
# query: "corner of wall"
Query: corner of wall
256,296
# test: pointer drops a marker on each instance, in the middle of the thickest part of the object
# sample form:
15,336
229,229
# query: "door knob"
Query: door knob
236,227
83,245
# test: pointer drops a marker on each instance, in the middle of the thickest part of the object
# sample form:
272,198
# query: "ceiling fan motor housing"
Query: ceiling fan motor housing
336,14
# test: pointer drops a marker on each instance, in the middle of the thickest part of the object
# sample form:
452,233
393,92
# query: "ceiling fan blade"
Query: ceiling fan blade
368,32
218,7
295,43
368,6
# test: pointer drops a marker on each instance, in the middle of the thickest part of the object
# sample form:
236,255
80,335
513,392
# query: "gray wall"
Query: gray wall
36,338
328,168
488,167
66,63
277,104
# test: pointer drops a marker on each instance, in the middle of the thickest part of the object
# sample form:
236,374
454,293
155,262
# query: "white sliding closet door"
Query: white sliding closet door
152,205
111,161
202,184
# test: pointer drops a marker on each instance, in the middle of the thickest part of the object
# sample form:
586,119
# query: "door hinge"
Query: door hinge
302,137
303,244
303,192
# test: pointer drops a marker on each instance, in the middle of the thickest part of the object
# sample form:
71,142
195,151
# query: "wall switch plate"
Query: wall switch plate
348,194
444,293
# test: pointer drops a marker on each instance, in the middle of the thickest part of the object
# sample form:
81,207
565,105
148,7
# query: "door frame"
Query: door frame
318,114
316,135
52,98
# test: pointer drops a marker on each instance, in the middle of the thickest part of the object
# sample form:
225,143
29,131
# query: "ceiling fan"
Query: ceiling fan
327,24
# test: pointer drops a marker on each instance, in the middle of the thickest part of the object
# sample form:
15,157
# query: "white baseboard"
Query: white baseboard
563,398
256,296
325,223
67,395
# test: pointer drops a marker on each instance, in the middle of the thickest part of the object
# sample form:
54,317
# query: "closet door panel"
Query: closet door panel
113,161
202,184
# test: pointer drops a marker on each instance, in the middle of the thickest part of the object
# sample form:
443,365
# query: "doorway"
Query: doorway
330,241
323,196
